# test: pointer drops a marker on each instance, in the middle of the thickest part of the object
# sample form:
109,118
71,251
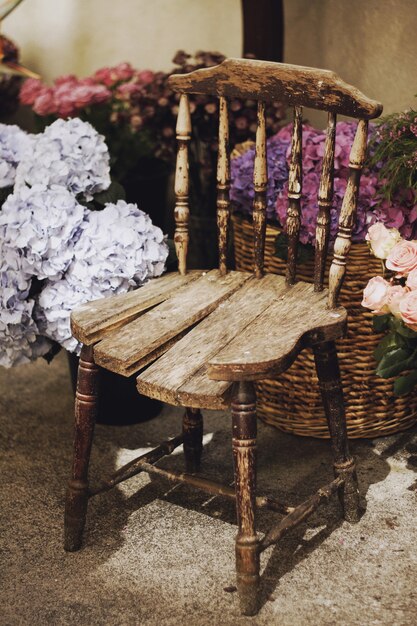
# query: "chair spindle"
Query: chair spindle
348,213
182,212
325,198
223,184
295,176
260,181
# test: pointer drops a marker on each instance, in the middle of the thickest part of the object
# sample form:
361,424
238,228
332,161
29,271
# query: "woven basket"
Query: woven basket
292,403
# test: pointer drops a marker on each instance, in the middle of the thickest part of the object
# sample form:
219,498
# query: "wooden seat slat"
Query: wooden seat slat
127,349
92,321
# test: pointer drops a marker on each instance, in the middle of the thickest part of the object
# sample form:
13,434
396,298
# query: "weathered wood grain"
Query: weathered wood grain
295,181
348,213
267,81
90,322
127,349
325,197
223,184
179,377
270,343
182,211
260,181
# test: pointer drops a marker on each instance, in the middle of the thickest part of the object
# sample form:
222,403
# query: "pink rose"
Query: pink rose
145,76
394,296
123,71
408,309
403,258
382,239
375,295
412,280
31,89
44,103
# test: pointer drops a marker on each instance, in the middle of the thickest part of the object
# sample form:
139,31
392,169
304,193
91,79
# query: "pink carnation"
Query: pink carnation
145,76
44,103
31,89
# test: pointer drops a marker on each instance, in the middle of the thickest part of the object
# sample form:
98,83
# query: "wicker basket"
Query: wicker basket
293,403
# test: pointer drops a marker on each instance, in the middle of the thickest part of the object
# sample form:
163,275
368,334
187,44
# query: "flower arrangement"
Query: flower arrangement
56,252
394,305
399,212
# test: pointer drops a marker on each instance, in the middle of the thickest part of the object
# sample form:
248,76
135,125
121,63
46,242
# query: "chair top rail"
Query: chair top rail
269,81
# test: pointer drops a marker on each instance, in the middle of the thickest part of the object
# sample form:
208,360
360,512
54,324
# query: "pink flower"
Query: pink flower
86,95
408,309
382,239
411,281
145,76
375,295
44,103
403,258
394,297
31,89
67,79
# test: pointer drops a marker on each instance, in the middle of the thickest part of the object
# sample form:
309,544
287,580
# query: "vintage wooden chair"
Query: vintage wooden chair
200,339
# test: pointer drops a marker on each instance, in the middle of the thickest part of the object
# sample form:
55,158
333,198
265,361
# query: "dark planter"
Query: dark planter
120,404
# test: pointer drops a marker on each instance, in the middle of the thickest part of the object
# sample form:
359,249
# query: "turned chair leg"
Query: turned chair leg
327,366
244,456
85,416
192,430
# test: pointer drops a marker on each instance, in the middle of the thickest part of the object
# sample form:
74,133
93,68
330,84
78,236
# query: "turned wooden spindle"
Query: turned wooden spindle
325,198
85,416
181,236
223,184
348,213
244,456
294,194
260,181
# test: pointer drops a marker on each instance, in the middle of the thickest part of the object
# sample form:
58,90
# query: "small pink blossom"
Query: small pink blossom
145,76
44,103
31,89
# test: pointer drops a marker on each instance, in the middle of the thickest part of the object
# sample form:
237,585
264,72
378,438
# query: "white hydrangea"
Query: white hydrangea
14,143
43,224
70,153
119,248
20,340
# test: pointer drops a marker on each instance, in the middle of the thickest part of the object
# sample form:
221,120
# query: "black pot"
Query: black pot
120,404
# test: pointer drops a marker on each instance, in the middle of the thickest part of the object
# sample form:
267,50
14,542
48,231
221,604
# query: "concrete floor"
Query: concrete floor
157,555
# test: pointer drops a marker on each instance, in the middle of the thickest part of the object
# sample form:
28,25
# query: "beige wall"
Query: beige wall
79,36
370,43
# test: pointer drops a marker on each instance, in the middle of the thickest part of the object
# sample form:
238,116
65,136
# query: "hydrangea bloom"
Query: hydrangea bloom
70,153
44,225
14,142
119,248
19,335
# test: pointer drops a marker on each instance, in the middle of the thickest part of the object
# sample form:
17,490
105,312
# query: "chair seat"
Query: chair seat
193,335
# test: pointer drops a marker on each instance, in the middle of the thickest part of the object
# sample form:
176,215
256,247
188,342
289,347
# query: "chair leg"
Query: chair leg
327,366
192,430
244,456
85,416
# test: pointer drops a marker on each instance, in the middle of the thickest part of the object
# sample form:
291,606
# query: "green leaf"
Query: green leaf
113,193
405,384
388,343
402,329
394,362
305,252
381,322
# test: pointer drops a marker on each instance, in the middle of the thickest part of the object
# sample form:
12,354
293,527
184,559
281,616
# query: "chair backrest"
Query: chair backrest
297,86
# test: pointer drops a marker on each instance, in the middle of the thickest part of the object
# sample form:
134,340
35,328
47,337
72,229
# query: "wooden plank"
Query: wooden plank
264,80
92,321
128,349
271,342
179,377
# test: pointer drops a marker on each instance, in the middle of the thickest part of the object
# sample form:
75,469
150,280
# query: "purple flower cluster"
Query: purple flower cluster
399,213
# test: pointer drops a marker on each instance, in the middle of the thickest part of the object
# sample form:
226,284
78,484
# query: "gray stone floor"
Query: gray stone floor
157,555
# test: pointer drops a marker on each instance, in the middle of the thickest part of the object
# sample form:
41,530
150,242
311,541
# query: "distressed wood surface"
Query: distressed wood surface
244,459
92,321
295,181
76,501
325,198
181,236
223,184
179,377
260,181
268,81
128,349
347,213
270,343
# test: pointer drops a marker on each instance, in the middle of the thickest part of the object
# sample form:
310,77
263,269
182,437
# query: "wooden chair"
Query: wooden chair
200,339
